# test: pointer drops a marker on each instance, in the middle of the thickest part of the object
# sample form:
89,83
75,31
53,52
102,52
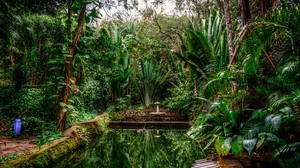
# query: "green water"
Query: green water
136,149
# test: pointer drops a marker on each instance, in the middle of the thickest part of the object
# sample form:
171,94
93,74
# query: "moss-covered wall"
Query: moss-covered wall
82,134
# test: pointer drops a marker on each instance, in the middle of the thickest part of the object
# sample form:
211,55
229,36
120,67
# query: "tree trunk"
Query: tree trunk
12,58
229,28
246,16
65,93
275,4
264,5
245,11
147,96
227,18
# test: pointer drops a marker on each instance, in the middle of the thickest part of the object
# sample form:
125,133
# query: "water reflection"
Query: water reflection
137,149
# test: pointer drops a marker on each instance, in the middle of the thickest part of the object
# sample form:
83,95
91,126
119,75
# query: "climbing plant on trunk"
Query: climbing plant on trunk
65,92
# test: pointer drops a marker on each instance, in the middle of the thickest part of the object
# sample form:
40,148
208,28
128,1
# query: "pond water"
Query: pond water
136,149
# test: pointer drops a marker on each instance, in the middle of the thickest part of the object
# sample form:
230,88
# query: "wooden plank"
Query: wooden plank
221,163
202,161
205,163
207,166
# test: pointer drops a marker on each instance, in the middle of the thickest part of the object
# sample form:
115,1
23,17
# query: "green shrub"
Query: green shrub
182,100
120,105
48,135
26,102
6,94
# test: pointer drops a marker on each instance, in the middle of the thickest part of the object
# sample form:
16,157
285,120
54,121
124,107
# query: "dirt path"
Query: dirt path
9,146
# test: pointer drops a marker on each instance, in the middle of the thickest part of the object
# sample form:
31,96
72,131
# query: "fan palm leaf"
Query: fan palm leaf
287,151
150,77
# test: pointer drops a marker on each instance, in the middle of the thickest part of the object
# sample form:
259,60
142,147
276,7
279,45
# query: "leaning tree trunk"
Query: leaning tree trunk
244,9
229,28
65,93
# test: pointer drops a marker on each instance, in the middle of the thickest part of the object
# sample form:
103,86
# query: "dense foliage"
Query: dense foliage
232,67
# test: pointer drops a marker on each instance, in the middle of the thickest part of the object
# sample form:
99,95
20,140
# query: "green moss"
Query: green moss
50,152
3,159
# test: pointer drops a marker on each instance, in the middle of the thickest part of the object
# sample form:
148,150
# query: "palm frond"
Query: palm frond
204,48
218,83
296,97
271,138
277,102
290,67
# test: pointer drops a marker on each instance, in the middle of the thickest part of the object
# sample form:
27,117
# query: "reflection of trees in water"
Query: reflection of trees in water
124,149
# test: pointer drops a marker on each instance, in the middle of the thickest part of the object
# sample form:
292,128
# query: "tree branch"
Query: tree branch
160,29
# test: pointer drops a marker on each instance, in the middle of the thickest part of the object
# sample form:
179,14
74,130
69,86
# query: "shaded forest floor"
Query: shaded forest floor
9,146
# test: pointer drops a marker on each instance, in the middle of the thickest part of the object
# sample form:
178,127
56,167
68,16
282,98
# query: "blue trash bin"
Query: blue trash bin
17,126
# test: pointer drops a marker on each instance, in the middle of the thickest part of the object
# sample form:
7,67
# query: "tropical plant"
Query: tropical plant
122,70
25,103
151,76
264,36
220,120
204,49
288,155
230,130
